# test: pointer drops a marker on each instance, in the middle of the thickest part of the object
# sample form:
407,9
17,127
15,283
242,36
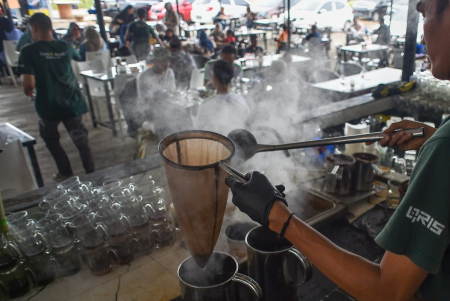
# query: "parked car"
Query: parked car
336,14
204,11
371,9
269,8
157,12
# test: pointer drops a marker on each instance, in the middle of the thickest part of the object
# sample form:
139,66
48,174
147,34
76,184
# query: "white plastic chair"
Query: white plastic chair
12,57
96,88
102,55
129,59
196,79
16,176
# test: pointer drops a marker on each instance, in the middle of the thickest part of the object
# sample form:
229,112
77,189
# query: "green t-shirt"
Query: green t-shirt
141,32
419,227
58,95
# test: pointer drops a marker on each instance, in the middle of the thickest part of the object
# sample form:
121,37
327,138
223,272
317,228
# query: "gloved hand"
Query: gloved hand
256,197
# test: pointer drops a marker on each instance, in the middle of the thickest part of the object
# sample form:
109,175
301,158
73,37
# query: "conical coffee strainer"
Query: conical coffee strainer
197,186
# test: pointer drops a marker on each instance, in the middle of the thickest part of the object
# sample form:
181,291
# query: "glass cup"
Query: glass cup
37,251
17,218
141,226
98,200
99,258
400,166
52,199
64,247
112,186
81,190
70,209
118,227
14,280
90,233
393,197
66,184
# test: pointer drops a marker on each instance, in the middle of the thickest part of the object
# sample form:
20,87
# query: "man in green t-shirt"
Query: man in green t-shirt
416,239
141,35
46,67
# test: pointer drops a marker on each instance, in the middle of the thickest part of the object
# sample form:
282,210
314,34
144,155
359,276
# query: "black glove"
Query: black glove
256,197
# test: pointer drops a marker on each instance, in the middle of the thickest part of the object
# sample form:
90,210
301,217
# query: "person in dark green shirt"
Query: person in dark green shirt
416,264
46,67
141,35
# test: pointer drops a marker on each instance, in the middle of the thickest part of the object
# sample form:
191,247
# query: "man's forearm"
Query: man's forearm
356,275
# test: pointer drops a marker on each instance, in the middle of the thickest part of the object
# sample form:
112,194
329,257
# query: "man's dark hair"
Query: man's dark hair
228,49
175,44
314,28
253,37
283,26
41,21
223,71
231,32
141,13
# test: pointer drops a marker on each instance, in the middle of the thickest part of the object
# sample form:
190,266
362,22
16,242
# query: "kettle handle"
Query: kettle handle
307,273
250,283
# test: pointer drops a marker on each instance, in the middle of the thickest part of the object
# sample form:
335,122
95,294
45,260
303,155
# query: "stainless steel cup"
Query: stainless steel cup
338,178
365,171
218,281
276,265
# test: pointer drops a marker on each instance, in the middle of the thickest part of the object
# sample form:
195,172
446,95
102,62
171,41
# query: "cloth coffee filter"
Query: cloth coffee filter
197,186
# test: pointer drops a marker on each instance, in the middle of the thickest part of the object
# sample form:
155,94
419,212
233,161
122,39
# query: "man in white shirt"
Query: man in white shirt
228,54
144,99
225,111
157,79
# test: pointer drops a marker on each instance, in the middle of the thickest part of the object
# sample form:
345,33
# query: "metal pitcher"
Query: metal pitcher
218,281
276,265
338,178
365,171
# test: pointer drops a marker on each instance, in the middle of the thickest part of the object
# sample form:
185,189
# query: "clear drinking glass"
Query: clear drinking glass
81,190
112,186
66,184
393,197
64,246
118,227
34,245
52,199
17,218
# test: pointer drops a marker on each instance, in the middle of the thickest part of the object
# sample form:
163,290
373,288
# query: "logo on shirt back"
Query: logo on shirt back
417,215
53,55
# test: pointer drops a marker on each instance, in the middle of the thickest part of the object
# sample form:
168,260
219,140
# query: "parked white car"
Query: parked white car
325,13
204,11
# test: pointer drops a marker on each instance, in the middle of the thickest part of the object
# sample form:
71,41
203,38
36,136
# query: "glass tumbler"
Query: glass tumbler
64,247
393,197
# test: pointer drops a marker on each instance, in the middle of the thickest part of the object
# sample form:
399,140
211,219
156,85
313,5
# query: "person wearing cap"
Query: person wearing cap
141,32
225,111
159,77
228,54
416,264
254,48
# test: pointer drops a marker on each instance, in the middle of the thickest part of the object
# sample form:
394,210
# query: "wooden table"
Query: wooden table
362,85
360,50
9,132
250,32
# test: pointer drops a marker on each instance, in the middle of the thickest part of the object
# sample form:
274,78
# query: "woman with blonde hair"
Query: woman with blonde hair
93,42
